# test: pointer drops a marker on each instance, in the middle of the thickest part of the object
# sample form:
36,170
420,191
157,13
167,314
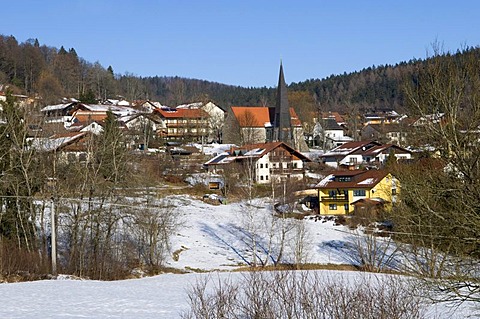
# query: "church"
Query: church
263,124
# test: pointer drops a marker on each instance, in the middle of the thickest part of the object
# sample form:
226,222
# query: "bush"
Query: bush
304,294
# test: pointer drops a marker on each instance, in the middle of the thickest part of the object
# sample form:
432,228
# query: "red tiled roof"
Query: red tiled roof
369,202
257,116
360,179
338,118
88,116
294,118
251,116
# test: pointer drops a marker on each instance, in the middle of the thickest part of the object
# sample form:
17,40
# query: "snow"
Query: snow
326,180
161,297
214,148
255,151
219,237
49,144
55,107
368,181
210,238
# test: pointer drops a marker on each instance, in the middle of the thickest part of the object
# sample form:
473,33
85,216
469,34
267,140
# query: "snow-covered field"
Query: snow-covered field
219,237
211,237
163,296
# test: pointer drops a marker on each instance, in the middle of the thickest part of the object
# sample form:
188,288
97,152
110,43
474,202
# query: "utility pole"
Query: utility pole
53,239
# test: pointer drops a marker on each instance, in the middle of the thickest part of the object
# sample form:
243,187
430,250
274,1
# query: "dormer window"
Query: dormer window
344,178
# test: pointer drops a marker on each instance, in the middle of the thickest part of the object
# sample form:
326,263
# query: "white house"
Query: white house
330,134
216,118
267,162
354,154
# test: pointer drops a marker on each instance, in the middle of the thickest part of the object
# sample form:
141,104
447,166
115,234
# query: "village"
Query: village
240,159
336,170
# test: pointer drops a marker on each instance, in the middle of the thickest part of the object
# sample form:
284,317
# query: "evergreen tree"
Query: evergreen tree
88,97
112,152
18,181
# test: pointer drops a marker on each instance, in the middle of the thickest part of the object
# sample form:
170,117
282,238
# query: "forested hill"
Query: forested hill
31,68
368,89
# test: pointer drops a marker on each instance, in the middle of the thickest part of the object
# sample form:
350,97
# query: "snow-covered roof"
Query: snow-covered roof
326,180
55,107
255,151
123,103
47,144
223,158
195,105
214,148
367,181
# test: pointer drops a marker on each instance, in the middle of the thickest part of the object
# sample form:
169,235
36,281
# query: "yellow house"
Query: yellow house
340,189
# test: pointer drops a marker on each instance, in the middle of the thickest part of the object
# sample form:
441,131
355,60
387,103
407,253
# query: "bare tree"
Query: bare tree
152,227
249,129
439,214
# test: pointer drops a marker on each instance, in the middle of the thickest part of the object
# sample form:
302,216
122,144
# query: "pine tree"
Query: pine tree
19,181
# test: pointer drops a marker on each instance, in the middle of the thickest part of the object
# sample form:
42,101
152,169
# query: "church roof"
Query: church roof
260,116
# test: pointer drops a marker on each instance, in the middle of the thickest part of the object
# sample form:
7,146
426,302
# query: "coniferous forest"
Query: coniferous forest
32,68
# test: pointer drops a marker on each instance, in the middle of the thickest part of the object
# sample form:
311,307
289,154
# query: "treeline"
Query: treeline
376,87
53,73
368,89
31,68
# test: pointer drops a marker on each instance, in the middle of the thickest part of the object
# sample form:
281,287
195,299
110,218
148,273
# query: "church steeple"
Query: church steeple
282,123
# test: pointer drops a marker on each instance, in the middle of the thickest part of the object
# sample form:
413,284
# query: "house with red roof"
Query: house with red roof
182,123
342,190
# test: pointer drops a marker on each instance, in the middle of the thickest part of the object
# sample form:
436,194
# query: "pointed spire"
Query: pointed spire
282,121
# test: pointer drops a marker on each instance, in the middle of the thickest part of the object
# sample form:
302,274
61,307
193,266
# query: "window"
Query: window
345,178
359,192
394,191
261,177
261,165
332,206
266,165
345,206
294,165
332,193
266,177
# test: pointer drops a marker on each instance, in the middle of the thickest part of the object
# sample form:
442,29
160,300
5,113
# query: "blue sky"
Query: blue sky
242,42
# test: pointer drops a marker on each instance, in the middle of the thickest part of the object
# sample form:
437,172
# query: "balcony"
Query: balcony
286,170
337,198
